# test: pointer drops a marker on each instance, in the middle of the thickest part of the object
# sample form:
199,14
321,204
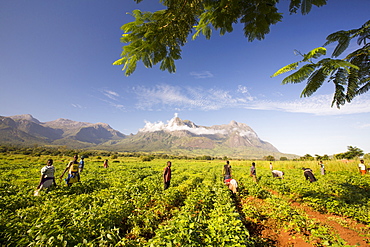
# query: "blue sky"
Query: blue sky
56,62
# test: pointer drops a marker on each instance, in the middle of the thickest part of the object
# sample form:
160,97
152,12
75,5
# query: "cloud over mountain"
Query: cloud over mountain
176,136
177,125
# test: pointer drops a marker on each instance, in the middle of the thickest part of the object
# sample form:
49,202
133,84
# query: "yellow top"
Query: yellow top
73,167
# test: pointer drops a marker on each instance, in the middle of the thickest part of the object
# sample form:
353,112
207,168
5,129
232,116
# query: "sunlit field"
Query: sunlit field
125,204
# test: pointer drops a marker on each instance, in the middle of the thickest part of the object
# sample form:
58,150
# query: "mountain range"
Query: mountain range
177,137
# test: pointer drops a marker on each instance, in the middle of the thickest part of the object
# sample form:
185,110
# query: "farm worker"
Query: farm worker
226,172
232,184
309,174
72,168
106,164
253,173
81,167
271,167
167,175
277,174
82,164
322,167
362,167
47,177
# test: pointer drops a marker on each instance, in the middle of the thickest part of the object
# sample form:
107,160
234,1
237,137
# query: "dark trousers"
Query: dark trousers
166,185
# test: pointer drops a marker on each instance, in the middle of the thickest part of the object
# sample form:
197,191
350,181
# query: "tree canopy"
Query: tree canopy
157,37
351,75
353,152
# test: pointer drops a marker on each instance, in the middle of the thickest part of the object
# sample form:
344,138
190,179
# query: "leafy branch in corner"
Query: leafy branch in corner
157,37
350,75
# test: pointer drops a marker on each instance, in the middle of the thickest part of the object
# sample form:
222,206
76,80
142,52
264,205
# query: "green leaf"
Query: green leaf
352,86
314,82
285,69
301,75
339,97
315,53
306,7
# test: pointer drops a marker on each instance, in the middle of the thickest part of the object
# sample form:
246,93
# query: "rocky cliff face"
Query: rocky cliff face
232,135
98,133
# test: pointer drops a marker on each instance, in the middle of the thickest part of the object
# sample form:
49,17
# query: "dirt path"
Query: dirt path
272,236
267,229
354,233
351,233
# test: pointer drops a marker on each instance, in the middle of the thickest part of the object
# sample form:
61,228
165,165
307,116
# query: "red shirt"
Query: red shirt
167,174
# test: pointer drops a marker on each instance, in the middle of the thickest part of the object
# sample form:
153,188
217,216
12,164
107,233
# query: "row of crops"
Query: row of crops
125,205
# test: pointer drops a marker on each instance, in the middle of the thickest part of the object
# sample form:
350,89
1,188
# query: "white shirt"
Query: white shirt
279,173
234,183
362,166
48,171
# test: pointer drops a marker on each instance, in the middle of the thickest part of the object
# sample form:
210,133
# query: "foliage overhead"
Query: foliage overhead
157,37
350,75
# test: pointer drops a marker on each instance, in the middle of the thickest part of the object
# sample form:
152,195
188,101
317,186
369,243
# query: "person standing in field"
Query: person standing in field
308,174
253,172
322,167
81,167
271,167
226,172
362,167
167,175
47,177
106,164
72,168
277,174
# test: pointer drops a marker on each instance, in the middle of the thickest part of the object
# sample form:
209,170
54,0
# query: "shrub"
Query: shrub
146,158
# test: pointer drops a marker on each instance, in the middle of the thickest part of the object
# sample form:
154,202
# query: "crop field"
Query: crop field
125,204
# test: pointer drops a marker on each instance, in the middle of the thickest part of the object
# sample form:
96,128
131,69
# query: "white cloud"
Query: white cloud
118,106
113,99
172,126
242,89
113,104
317,105
167,97
77,106
363,125
248,134
278,94
160,95
158,126
247,95
201,75
110,94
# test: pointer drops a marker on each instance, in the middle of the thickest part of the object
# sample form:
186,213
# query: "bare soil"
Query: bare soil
354,233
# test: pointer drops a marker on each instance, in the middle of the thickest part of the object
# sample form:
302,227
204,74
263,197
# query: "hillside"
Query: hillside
178,137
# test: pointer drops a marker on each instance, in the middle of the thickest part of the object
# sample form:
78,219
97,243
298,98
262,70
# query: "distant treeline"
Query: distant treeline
37,150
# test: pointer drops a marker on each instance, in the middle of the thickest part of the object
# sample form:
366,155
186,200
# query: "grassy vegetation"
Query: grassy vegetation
125,205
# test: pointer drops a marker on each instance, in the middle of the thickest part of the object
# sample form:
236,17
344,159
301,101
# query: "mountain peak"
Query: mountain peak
176,121
28,117
66,122
233,123
175,124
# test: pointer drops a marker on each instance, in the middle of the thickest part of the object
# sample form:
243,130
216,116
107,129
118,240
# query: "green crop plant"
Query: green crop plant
125,204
